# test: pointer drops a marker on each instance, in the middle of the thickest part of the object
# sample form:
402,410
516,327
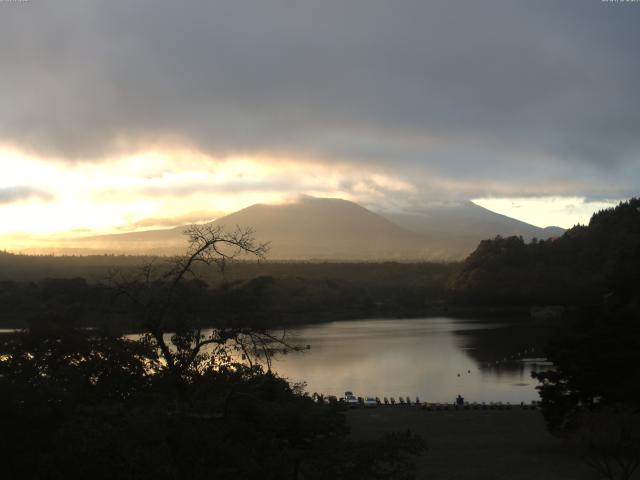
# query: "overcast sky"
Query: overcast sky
148,112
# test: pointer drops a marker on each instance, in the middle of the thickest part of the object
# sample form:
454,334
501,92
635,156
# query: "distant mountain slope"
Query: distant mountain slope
308,229
326,228
333,229
456,228
553,232
151,242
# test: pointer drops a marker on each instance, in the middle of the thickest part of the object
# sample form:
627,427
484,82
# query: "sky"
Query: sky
119,116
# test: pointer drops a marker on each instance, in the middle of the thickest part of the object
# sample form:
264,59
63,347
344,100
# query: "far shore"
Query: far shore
502,313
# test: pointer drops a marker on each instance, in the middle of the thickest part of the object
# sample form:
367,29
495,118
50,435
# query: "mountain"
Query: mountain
456,228
333,229
309,229
150,242
328,228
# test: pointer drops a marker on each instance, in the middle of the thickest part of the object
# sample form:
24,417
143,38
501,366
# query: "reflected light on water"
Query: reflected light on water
433,358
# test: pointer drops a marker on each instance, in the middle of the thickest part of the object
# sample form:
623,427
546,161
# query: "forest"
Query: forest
577,268
274,292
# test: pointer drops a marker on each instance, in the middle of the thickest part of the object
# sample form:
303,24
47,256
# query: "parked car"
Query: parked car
370,402
351,400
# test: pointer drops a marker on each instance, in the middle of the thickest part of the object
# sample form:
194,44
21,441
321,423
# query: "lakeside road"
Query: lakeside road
477,444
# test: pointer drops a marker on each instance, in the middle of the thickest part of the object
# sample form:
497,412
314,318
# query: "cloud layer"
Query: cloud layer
461,98
17,194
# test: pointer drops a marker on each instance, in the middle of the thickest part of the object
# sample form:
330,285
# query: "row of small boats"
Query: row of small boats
353,401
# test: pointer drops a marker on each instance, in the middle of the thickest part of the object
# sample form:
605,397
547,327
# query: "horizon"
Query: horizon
317,229
148,115
40,243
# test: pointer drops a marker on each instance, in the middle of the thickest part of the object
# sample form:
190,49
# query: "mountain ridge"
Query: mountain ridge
325,229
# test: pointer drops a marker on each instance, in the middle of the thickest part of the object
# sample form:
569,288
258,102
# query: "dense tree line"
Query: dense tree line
598,350
579,268
266,299
96,268
273,292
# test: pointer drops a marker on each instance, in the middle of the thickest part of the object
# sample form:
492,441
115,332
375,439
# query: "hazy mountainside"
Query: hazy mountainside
309,229
334,229
314,228
151,242
467,219
456,228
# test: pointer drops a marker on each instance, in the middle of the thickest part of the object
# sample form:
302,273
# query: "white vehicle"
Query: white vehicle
370,402
351,400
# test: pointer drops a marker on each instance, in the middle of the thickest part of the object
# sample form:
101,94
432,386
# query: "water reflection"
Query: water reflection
507,348
434,358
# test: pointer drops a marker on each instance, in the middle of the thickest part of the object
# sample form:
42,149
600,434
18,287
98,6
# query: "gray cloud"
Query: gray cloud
484,92
16,194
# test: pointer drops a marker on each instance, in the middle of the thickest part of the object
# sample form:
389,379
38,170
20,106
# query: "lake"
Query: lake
433,358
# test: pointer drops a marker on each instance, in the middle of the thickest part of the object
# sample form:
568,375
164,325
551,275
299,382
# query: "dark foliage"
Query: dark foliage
278,299
596,355
78,404
578,268
596,365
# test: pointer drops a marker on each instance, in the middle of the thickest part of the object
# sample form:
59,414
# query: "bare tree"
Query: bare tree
158,291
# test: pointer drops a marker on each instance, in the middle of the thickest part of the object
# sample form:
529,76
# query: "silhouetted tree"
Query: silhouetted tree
85,403
170,305
593,390
578,268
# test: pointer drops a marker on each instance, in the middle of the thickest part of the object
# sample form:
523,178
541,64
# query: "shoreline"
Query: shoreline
508,314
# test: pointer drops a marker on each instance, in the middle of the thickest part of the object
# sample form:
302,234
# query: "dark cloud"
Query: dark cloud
481,91
16,194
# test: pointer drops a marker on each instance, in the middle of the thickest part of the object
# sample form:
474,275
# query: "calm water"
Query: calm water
434,358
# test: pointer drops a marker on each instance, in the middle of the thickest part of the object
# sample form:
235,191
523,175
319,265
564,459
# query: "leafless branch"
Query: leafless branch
152,291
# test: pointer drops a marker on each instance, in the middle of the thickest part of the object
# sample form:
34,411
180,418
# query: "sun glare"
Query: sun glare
156,188
543,212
